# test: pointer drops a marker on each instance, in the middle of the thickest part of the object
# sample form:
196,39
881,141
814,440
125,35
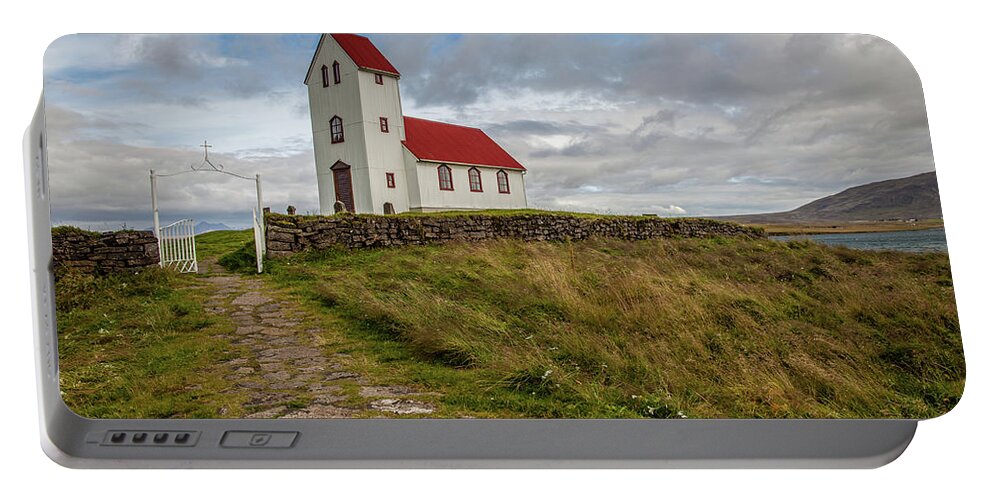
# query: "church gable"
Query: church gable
359,49
364,54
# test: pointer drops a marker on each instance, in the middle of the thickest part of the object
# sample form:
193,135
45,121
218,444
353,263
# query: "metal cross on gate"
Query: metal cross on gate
207,163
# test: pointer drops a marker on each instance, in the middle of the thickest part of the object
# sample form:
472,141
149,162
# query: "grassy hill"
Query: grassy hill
718,327
861,208
694,328
910,197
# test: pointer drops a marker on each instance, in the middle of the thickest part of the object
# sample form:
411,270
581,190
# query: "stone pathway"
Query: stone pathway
289,371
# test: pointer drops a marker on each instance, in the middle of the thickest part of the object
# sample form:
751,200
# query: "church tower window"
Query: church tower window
337,130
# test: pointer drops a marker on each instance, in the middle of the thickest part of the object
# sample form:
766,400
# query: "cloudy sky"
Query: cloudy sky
674,124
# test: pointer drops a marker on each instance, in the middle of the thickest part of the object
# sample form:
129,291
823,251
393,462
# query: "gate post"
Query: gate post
258,192
259,239
155,203
155,214
261,214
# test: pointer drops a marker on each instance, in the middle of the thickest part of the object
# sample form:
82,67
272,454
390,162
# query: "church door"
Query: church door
343,185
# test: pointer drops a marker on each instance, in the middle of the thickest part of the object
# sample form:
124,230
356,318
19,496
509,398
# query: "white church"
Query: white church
373,159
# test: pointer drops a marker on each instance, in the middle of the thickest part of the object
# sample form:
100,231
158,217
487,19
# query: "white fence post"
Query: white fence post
155,213
259,241
261,215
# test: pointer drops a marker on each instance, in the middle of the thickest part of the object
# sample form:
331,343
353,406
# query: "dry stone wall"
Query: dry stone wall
290,234
103,253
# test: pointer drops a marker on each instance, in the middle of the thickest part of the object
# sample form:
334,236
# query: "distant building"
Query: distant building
373,159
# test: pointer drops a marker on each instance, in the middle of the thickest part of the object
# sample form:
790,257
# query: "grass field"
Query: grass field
695,328
717,327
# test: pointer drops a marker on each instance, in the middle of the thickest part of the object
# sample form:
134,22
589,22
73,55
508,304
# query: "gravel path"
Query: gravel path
290,372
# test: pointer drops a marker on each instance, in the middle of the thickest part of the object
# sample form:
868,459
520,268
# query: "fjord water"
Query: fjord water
925,240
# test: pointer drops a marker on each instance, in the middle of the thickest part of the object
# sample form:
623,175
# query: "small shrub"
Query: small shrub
241,260
536,380
455,355
181,309
821,272
851,256
653,406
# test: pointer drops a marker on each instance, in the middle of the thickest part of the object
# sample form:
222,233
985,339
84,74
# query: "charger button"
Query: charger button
258,439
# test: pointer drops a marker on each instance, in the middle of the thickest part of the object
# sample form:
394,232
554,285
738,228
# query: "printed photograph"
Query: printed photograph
496,226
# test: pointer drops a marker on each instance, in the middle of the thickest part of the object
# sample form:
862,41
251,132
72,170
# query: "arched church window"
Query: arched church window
503,183
336,69
475,180
445,178
324,76
337,130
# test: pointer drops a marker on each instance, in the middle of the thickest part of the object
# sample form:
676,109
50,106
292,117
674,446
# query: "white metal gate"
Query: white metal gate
177,246
259,227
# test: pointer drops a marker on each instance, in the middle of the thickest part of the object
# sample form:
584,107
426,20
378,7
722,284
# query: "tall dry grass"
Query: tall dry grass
669,328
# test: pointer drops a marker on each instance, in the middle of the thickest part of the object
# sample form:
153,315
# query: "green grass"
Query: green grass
718,327
141,346
234,250
696,327
218,243
72,230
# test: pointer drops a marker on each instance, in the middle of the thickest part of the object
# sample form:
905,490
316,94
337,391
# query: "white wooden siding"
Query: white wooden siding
383,150
341,100
433,198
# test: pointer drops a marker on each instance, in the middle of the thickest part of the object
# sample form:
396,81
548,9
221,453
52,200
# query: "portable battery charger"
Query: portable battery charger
574,251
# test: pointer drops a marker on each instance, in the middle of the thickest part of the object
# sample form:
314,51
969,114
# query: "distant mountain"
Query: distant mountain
914,197
206,227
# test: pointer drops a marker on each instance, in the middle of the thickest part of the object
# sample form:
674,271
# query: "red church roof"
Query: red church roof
364,53
443,142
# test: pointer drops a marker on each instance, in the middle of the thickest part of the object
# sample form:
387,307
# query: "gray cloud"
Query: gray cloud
116,187
623,124
807,115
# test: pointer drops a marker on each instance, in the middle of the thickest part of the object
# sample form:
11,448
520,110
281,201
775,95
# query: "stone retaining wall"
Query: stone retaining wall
289,234
103,253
